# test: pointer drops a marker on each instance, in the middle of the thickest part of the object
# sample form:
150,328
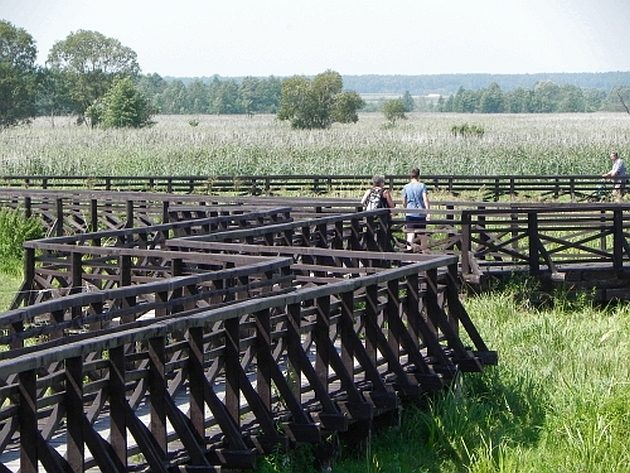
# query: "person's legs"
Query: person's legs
415,225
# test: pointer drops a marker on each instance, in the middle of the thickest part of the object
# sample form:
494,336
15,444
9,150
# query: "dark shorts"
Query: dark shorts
416,223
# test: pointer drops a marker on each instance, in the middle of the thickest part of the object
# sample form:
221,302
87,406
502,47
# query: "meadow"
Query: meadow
559,401
239,145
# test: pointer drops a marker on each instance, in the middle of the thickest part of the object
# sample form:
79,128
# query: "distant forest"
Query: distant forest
462,93
448,84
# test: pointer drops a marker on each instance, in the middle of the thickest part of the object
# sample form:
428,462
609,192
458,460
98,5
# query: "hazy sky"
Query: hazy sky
286,37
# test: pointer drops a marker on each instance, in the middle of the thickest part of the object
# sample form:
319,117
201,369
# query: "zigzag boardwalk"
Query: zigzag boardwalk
157,346
194,333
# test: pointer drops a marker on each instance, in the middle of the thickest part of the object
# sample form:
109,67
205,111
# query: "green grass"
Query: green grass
9,285
559,400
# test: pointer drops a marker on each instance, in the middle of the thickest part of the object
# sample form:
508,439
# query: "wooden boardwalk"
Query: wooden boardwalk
194,333
129,350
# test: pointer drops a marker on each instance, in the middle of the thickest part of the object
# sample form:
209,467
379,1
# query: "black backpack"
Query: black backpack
376,199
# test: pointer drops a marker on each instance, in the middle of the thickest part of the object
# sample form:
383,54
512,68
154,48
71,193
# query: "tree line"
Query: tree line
98,80
544,97
448,84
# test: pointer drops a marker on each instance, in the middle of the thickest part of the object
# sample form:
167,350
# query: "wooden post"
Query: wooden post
60,220
412,306
158,393
165,216
618,239
94,216
346,330
117,404
27,207
27,421
73,400
263,356
391,313
232,360
466,243
321,336
29,275
532,237
294,347
371,313
196,380
130,217
76,284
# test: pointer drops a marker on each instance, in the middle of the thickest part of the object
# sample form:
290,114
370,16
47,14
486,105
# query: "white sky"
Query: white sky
286,37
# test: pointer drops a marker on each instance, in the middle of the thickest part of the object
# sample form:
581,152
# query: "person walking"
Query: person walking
415,197
377,197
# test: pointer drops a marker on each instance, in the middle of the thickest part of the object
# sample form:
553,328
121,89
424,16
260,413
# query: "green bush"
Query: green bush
15,229
465,130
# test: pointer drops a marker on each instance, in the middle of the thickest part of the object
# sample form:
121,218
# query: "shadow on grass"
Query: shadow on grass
448,434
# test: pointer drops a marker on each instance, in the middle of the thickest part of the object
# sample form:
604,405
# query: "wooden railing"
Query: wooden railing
490,187
218,387
545,239
102,260
177,346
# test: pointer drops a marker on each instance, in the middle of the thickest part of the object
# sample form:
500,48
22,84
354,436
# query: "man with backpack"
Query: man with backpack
378,197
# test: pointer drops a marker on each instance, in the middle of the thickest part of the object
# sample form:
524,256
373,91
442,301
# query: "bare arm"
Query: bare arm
427,204
365,197
388,198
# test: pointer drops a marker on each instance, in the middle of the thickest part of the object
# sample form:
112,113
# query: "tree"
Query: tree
17,75
571,99
198,98
173,98
492,100
407,99
547,95
152,86
394,110
53,95
91,61
465,101
317,103
123,106
345,107
224,98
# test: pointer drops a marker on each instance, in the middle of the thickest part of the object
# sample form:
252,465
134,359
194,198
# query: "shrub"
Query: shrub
15,229
123,106
467,130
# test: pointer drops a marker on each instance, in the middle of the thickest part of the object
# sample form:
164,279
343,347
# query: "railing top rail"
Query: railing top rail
563,208
149,288
186,242
293,176
280,227
162,328
114,251
88,236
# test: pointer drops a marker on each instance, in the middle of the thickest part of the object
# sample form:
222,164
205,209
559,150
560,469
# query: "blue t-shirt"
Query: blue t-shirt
413,193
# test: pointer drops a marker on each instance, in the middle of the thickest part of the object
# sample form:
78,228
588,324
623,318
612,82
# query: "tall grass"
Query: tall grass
511,144
559,401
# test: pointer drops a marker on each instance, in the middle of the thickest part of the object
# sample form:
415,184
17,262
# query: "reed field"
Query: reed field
550,144
559,400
